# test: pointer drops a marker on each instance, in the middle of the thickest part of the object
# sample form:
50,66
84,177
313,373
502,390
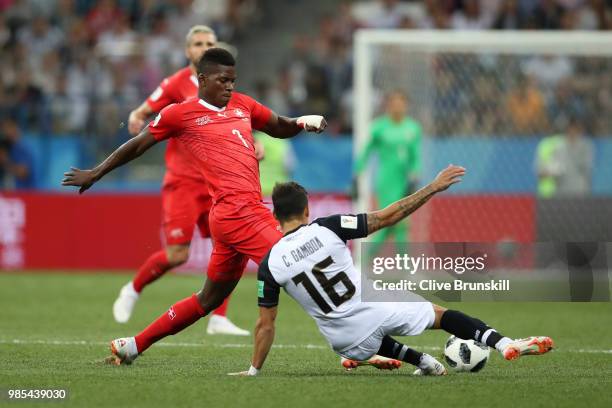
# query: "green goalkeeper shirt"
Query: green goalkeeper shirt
398,146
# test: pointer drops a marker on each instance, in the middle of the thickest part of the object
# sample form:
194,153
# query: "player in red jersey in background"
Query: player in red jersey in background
217,129
185,197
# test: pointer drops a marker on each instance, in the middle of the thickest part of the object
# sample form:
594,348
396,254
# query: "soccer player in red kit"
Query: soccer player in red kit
185,197
217,129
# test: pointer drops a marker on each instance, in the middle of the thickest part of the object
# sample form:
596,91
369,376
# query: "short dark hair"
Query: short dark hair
290,200
214,57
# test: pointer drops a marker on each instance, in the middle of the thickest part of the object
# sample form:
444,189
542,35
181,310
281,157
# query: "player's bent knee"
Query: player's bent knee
210,302
177,254
214,293
438,311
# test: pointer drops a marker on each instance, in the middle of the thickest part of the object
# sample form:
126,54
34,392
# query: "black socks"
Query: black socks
398,351
466,327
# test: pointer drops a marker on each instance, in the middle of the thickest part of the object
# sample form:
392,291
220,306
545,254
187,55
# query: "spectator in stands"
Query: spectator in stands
40,38
185,13
101,17
118,43
471,17
16,161
63,35
565,104
159,49
344,23
548,71
594,16
547,15
296,71
27,102
448,102
525,106
381,13
270,96
509,16
564,163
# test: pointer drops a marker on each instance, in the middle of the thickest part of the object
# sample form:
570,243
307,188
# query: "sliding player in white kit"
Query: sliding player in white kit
314,266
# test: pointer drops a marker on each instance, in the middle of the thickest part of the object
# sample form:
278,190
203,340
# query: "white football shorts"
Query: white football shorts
409,319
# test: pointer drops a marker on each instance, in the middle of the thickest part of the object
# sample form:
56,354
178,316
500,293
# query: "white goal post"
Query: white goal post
372,49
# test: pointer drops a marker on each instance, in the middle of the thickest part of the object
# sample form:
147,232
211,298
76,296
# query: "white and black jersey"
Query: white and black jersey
314,266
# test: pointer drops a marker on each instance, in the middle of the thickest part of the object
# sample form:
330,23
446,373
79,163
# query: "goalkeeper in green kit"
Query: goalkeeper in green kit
396,139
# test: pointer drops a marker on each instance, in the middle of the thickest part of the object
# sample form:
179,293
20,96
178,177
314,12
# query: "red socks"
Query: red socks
180,315
222,310
153,268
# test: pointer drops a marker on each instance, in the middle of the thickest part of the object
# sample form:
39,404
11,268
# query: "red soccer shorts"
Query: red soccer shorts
185,204
240,231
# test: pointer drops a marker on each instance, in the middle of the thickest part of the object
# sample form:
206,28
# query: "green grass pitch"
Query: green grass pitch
54,330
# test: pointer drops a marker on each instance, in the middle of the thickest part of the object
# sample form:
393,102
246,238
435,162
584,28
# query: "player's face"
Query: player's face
199,43
396,105
217,87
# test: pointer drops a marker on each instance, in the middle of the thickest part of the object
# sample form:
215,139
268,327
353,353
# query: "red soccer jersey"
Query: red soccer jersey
220,139
177,88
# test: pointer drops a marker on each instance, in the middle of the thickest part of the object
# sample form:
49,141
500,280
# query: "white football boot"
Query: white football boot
380,362
123,351
222,325
430,366
124,305
529,346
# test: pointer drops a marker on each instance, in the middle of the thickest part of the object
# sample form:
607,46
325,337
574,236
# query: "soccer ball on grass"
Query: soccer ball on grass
465,355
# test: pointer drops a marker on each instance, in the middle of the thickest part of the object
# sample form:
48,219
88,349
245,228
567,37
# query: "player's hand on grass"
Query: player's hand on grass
79,178
447,177
312,123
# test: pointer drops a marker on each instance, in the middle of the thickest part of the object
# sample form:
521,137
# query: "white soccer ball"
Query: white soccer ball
465,355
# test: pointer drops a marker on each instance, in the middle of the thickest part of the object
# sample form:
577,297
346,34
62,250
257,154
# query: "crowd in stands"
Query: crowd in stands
79,66
74,66
538,96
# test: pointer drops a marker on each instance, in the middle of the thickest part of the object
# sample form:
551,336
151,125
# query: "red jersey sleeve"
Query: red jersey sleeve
260,114
168,123
162,96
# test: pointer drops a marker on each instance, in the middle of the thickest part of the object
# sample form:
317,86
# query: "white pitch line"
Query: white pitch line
233,345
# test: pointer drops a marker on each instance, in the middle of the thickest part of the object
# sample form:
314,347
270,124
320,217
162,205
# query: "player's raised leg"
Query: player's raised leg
179,316
184,205
467,327
224,271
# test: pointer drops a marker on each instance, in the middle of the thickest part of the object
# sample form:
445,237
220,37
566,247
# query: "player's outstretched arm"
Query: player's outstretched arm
282,127
407,205
127,152
264,337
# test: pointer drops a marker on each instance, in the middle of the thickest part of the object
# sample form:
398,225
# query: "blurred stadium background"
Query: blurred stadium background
71,71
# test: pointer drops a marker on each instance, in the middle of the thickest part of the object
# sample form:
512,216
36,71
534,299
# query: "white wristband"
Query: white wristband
314,121
253,371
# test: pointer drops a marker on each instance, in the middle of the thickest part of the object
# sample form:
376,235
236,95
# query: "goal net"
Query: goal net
500,104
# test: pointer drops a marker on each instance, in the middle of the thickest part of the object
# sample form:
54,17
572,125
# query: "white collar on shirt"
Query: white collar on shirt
211,107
